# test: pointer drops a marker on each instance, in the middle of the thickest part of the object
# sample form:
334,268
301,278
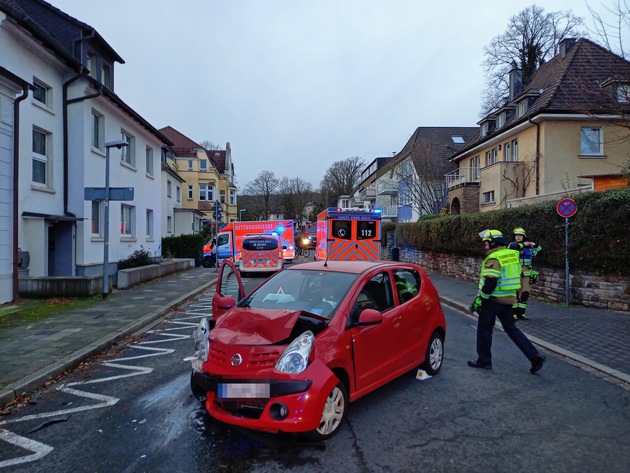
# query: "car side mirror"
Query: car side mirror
226,302
370,317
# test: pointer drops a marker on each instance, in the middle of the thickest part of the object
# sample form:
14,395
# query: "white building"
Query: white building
63,127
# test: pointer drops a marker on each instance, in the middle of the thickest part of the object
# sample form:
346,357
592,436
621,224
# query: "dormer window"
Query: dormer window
501,119
91,64
522,107
487,126
106,76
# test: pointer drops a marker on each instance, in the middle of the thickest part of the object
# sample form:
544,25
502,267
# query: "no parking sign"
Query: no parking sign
566,207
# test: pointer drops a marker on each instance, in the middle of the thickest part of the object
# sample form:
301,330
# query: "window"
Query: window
232,197
222,196
127,220
98,126
474,168
515,149
510,150
190,164
178,193
169,224
522,107
40,156
487,197
106,76
407,284
149,223
501,119
491,156
458,140
91,64
206,192
128,153
623,93
149,161
97,229
190,192
591,141
203,165
41,93
168,189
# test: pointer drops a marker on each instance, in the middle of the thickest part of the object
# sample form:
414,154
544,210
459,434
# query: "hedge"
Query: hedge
184,246
598,232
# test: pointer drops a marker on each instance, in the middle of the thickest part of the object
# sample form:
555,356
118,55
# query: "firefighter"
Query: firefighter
527,249
499,280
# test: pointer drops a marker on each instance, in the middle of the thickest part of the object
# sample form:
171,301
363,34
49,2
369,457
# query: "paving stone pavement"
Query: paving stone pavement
34,352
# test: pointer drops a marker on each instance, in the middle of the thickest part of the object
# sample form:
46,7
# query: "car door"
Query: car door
376,348
411,314
229,283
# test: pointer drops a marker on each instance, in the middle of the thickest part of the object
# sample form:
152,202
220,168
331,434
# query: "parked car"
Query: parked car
312,338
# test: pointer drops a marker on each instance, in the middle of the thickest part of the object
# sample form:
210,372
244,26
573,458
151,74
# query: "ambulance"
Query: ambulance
261,253
348,234
229,240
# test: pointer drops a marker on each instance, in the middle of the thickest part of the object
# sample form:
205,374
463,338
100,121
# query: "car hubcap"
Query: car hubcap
333,412
436,353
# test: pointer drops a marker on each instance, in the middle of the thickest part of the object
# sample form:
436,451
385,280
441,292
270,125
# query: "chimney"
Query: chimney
516,82
565,45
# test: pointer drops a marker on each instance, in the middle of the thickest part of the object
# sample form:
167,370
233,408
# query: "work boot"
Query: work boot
478,364
537,364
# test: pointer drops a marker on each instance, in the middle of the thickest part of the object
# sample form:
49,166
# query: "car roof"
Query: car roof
356,267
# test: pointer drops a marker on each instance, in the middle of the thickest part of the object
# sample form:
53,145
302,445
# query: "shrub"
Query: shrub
136,259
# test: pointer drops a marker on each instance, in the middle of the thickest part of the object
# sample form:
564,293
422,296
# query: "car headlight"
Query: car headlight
202,345
294,360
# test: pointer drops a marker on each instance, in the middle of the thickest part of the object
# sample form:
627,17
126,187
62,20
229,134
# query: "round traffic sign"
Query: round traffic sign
566,207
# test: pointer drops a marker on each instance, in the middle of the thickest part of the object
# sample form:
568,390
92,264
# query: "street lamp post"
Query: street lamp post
240,214
111,144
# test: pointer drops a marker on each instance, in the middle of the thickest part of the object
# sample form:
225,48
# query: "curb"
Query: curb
33,381
548,346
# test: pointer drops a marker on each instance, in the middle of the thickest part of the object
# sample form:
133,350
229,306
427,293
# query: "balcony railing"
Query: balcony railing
389,211
461,176
386,188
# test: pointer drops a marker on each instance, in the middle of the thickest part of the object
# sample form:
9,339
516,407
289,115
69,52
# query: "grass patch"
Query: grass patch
34,310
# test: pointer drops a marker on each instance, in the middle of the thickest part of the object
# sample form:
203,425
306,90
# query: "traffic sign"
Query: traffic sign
566,207
115,193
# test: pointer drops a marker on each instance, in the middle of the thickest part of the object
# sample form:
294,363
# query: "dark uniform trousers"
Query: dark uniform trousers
490,310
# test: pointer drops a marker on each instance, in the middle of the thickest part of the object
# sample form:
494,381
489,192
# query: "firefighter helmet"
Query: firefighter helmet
490,235
519,231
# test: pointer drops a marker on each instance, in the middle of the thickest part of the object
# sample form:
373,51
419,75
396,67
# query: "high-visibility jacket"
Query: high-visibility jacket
508,276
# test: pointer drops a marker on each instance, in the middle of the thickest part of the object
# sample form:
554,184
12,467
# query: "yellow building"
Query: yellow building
208,175
570,122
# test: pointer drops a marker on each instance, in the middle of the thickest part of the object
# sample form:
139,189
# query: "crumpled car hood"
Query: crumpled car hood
254,326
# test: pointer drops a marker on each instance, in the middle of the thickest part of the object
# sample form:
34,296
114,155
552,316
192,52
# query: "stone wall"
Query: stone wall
605,292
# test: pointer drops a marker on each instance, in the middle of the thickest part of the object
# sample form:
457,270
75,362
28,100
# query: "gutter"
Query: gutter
537,160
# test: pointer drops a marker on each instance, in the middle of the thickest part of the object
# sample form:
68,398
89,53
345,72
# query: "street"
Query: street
132,411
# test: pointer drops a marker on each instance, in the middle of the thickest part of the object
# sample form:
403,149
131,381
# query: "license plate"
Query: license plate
243,390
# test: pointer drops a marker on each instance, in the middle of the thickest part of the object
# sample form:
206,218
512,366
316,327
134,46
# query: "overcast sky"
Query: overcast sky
295,85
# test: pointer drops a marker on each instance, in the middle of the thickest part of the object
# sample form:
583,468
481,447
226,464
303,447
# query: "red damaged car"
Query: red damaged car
295,352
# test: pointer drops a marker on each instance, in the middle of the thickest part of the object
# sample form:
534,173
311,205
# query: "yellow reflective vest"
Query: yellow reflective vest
508,276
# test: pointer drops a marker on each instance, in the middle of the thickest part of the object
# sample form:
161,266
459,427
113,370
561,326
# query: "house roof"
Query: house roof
573,82
64,28
437,143
184,147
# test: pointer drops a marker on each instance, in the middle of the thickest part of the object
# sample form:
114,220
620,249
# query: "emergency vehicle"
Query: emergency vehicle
229,240
348,234
260,253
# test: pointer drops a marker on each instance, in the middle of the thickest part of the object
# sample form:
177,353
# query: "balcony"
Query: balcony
389,211
387,188
462,177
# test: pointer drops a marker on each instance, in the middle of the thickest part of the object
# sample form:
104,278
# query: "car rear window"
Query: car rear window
260,244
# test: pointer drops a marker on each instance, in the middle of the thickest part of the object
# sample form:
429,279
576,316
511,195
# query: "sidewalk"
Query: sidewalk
33,353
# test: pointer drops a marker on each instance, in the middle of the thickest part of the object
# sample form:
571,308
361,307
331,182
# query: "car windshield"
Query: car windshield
315,291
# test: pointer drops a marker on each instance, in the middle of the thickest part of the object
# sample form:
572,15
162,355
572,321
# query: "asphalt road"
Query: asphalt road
132,411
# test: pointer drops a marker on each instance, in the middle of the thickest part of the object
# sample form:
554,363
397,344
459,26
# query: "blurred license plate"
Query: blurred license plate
243,390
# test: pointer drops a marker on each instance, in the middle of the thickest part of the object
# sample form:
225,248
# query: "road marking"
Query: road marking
39,450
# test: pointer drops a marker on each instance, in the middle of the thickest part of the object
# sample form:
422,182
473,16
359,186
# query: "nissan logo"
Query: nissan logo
236,360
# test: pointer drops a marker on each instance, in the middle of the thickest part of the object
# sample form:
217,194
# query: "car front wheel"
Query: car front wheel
435,354
333,414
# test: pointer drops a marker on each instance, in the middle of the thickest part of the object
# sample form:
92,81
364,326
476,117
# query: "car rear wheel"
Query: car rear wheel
435,354
333,414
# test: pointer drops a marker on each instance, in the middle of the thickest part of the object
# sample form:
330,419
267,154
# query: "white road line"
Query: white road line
39,450
157,352
138,370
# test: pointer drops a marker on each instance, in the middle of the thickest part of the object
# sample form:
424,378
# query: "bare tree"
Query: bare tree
341,178
520,174
613,34
529,41
262,188
294,194
207,144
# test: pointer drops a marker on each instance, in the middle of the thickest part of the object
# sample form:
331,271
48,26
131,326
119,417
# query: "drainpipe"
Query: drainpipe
66,158
537,161
16,170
